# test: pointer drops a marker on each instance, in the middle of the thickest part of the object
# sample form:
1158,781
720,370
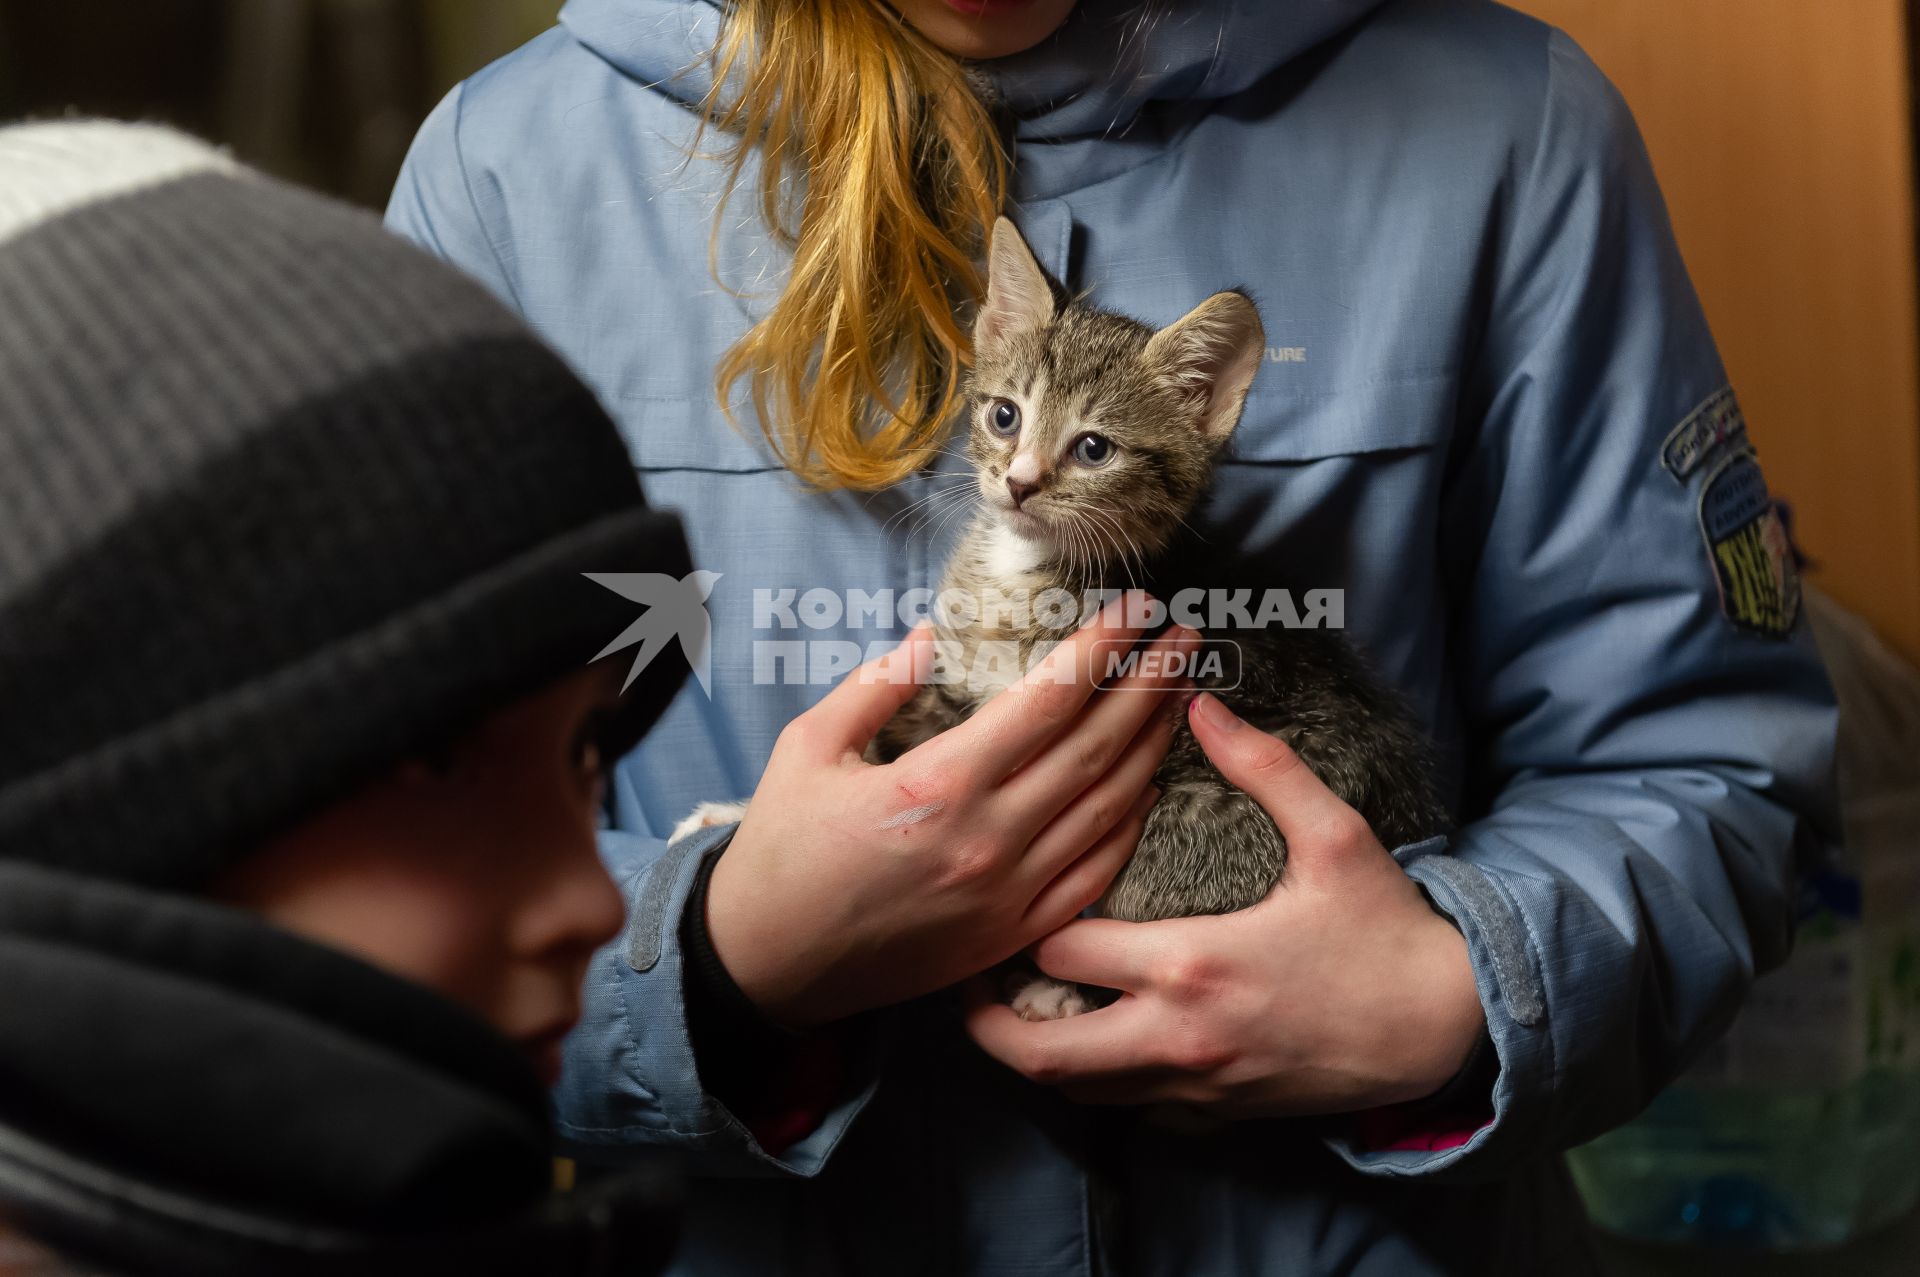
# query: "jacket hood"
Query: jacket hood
1091,77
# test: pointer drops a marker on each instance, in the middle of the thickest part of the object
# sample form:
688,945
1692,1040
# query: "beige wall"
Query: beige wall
1781,133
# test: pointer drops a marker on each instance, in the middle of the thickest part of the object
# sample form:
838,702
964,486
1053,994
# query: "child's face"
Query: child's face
479,879
984,28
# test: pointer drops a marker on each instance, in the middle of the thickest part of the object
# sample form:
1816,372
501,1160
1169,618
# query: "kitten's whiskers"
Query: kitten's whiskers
929,500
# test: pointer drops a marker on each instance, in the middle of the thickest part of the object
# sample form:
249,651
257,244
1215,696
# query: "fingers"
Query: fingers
1102,951
1115,1040
1092,812
1012,726
1308,814
854,711
1109,727
1085,880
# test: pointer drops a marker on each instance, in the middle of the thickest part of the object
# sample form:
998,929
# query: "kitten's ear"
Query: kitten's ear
1018,294
1212,352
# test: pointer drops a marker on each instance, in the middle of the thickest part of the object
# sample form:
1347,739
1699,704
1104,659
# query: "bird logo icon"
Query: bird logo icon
675,609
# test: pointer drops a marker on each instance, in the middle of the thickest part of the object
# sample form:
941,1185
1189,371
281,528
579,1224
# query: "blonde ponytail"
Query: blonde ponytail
880,171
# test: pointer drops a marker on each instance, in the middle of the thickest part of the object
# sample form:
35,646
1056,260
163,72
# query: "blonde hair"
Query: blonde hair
880,170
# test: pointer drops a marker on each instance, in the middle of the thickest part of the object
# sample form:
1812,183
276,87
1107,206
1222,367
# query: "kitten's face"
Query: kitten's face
1092,434
1078,444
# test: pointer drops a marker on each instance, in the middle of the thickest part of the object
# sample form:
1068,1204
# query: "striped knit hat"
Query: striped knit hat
282,500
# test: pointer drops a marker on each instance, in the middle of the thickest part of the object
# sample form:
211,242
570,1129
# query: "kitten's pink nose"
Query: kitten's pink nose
1021,491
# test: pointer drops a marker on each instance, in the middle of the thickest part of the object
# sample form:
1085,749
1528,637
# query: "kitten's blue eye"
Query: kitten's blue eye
1093,450
1003,418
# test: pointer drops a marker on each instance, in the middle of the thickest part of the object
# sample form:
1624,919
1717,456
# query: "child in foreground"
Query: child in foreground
303,752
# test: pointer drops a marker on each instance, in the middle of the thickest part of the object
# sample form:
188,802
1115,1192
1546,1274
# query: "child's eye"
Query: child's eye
1093,450
589,756
1003,418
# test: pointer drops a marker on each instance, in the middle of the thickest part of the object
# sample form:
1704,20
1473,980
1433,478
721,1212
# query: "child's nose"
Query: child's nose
579,909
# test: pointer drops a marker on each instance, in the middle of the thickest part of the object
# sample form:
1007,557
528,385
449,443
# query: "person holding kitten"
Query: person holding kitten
304,744
1482,405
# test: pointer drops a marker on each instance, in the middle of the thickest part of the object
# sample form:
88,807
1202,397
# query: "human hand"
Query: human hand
1342,990
850,886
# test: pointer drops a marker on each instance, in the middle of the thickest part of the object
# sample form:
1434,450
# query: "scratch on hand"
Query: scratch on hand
912,815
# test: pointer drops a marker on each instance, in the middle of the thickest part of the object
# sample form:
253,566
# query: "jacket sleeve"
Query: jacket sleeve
632,1078
1650,749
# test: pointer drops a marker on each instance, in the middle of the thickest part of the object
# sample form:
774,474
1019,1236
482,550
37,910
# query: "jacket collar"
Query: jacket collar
1090,79
187,1083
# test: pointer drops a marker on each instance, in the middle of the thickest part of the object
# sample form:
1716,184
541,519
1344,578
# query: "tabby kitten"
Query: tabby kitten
1093,437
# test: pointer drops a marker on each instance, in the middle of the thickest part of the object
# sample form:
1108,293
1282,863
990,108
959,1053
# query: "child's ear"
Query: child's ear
1019,296
1212,352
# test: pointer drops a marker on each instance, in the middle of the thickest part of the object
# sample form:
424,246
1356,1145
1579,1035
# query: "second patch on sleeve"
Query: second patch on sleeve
1747,543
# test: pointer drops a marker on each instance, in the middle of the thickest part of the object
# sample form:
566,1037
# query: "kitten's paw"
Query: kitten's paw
1039,997
706,816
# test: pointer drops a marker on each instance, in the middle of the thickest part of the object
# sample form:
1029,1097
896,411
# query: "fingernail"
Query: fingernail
1214,711
1185,639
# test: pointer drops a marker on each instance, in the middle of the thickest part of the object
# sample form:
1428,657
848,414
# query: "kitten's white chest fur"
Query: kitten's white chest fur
1003,572
1008,559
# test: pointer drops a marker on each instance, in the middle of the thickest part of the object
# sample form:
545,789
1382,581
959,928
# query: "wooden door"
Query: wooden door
1782,133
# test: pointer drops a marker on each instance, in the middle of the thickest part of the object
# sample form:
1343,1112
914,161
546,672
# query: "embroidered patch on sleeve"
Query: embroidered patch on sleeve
1715,422
1747,543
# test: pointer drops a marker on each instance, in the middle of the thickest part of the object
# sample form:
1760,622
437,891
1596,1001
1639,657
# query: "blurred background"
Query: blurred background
1783,132
328,92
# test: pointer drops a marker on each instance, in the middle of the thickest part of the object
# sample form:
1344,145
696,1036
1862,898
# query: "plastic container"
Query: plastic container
1801,1127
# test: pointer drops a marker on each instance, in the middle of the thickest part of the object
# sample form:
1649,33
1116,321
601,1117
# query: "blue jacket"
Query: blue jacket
1490,414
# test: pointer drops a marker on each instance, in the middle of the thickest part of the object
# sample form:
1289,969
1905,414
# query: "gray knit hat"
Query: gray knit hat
282,499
